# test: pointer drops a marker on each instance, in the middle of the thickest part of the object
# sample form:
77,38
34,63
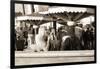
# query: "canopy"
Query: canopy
61,14
68,13
37,20
32,18
67,9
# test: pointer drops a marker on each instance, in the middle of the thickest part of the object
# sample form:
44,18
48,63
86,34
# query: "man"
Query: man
78,35
20,40
25,34
30,35
87,39
92,38
52,40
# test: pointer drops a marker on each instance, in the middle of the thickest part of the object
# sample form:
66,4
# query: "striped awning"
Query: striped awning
67,9
20,18
68,13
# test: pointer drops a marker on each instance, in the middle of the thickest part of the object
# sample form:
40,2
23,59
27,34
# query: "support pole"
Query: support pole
54,26
23,9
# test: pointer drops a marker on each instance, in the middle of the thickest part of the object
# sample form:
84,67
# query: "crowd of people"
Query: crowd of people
64,38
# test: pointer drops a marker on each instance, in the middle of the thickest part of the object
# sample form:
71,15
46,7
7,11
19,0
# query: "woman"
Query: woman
41,43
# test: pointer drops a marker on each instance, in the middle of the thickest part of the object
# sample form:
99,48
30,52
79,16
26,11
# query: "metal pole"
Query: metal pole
23,9
54,23
54,26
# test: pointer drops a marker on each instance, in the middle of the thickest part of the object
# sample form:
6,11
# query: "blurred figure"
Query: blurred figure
69,40
19,33
41,40
59,39
84,39
78,34
25,34
87,38
30,35
52,40
66,35
66,42
20,40
92,38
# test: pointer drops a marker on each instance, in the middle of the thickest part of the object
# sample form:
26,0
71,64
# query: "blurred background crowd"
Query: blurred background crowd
75,37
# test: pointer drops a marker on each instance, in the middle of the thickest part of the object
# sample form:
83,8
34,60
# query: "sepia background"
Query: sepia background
53,34
5,52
